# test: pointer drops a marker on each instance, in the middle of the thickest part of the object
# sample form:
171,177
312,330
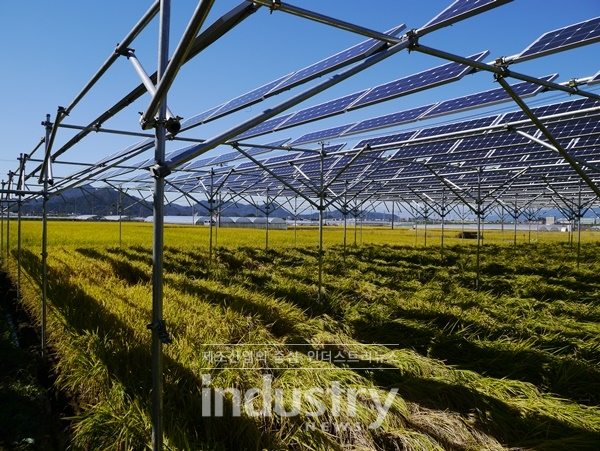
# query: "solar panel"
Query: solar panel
397,137
137,146
491,141
389,120
198,163
245,100
198,118
576,35
459,10
321,135
457,126
486,98
281,158
417,82
336,61
569,129
293,79
555,108
320,111
265,127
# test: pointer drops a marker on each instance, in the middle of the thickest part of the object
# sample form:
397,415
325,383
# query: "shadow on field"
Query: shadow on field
508,425
430,334
129,362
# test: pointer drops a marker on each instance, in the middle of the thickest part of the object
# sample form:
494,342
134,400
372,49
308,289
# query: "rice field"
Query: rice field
400,349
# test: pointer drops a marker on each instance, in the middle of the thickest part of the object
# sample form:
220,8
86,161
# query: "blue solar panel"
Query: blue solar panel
143,164
283,171
562,39
245,100
198,164
389,120
459,10
265,127
281,158
486,98
457,127
229,156
555,108
576,128
177,152
397,137
492,141
320,111
258,150
588,141
293,79
417,82
137,146
321,135
198,118
336,61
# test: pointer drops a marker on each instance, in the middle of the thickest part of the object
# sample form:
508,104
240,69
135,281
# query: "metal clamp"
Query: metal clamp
161,329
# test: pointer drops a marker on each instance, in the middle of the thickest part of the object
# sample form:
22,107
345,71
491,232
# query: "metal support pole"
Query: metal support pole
48,126
502,222
393,203
462,225
267,223
478,227
2,221
579,226
416,228
44,269
218,219
515,218
295,219
361,229
8,226
321,207
211,201
426,216
120,212
19,246
355,227
157,326
443,217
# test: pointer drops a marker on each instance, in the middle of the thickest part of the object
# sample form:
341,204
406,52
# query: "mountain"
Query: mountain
90,200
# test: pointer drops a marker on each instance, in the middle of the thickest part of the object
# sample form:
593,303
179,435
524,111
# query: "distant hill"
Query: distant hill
90,200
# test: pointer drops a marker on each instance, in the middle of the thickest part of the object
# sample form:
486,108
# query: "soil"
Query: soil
34,413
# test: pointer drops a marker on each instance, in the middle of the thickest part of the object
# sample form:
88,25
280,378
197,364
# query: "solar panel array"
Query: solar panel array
289,81
481,154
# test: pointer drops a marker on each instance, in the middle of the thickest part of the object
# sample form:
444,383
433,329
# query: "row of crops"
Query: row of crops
402,351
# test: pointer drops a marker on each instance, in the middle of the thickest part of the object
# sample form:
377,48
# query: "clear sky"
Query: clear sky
51,50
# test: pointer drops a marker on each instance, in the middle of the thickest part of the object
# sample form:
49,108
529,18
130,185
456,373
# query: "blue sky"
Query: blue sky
51,50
